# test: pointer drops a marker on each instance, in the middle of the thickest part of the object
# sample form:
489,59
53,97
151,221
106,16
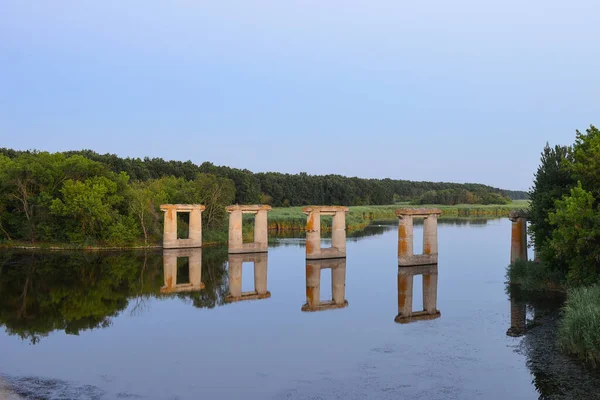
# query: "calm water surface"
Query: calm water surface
90,326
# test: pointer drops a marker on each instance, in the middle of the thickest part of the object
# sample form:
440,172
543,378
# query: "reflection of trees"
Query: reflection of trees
77,291
555,375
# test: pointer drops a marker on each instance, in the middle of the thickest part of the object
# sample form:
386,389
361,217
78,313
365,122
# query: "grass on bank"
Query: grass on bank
532,276
579,331
292,218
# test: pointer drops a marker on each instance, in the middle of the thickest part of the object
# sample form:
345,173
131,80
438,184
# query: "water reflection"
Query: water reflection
313,284
193,258
260,261
405,293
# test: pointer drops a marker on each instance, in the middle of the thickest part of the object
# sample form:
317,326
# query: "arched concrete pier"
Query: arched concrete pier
260,291
518,241
313,284
170,240
406,256
314,251
170,257
405,294
236,242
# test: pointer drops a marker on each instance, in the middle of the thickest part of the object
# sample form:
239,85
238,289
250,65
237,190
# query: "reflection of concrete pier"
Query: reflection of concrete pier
170,240
236,243
313,284
518,242
194,257
518,318
313,232
405,294
406,256
236,261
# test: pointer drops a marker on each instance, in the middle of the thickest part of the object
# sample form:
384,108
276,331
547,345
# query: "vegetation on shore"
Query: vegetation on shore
91,200
565,229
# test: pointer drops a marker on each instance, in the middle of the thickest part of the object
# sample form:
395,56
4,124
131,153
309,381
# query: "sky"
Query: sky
462,91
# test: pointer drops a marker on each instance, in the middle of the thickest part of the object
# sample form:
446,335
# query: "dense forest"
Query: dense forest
85,197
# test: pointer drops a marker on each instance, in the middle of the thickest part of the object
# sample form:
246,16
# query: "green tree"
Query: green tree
552,181
575,239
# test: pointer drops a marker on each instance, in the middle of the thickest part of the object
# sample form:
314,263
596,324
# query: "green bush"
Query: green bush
579,332
534,276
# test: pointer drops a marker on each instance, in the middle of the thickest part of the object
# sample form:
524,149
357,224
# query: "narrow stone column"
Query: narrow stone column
235,229
195,235
195,265
430,236
338,237
313,285
405,295
260,274
430,293
313,233
405,237
170,228
518,246
261,236
170,269
235,276
338,283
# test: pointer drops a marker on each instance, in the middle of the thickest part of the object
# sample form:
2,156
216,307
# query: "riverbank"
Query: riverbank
578,326
291,219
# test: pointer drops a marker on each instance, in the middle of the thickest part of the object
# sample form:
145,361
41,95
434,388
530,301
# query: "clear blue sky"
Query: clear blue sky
465,91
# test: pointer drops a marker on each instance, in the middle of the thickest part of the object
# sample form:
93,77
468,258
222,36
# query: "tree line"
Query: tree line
90,198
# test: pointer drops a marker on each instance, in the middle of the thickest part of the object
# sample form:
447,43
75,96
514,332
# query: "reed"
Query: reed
579,330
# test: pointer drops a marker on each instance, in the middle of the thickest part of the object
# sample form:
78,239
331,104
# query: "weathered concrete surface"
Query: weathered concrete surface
261,238
260,291
170,240
314,251
406,256
518,241
405,294
313,284
170,257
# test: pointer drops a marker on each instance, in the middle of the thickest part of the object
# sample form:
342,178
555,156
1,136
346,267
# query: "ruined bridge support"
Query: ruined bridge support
236,242
170,240
170,257
235,262
518,242
405,294
313,284
313,232
406,256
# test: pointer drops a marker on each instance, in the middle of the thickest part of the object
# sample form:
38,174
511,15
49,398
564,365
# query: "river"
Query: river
96,326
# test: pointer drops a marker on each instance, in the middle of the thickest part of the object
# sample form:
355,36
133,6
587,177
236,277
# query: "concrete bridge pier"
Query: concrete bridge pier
406,256
261,239
314,251
518,242
170,240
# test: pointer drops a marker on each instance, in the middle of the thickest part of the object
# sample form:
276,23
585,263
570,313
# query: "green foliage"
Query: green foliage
585,166
460,196
575,240
534,276
78,291
552,181
579,332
